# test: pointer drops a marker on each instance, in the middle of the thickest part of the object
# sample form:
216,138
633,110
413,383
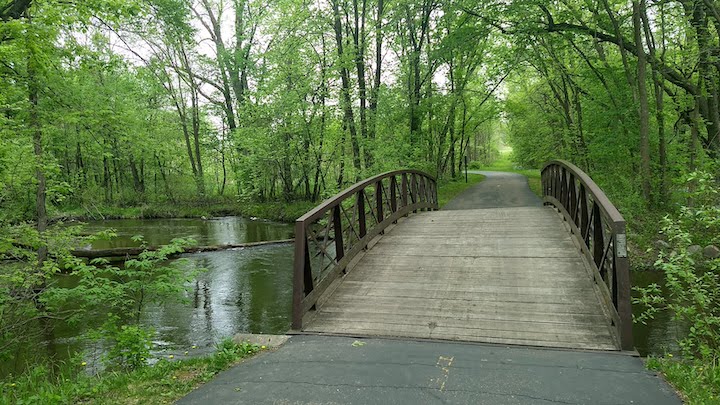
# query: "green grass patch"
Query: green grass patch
449,190
162,383
505,164
698,382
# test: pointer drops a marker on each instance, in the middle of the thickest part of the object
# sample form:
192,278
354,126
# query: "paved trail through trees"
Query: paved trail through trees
498,190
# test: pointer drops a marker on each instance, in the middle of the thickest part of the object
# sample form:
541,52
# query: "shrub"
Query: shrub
692,283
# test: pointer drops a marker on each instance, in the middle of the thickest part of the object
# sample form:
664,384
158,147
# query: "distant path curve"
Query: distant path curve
498,190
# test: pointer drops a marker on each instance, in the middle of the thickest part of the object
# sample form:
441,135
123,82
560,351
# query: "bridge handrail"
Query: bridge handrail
334,232
600,228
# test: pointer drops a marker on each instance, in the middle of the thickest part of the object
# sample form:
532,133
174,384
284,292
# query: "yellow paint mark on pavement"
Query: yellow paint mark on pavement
444,364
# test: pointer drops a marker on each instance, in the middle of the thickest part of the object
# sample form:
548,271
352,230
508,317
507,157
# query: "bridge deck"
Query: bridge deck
501,275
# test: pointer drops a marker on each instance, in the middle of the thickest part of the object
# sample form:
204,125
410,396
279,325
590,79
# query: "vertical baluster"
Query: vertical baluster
572,199
308,272
361,213
404,190
414,189
337,229
563,189
598,238
393,194
433,192
379,200
584,214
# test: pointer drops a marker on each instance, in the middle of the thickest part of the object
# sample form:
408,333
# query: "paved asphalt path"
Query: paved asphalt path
337,370
498,190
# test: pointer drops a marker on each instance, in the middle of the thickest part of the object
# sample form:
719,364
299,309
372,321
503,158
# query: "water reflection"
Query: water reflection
661,334
248,290
214,231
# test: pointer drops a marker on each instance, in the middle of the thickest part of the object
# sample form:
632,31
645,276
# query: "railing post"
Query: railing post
622,281
300,267
362,226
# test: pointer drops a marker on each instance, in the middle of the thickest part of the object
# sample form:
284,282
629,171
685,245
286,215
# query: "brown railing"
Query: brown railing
600,229
328,237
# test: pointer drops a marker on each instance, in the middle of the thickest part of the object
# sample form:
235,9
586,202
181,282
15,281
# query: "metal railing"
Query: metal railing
329,236
599,226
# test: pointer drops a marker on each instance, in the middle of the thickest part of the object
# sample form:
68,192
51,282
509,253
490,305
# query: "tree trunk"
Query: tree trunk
37,138
643,109
348,115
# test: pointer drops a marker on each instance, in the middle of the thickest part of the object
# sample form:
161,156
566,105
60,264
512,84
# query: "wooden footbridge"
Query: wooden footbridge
379,259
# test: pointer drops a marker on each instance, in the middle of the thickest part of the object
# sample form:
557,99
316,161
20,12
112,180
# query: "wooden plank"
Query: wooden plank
453,231
450,250
476,278
492,264
468,296
473,241
469,314
547,339
492,307
449,288
568,330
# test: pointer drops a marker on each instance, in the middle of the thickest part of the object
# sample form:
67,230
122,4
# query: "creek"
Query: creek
241,290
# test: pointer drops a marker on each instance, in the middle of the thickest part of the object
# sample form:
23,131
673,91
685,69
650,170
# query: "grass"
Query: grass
698,382
447,191
274,210
504,164
162,383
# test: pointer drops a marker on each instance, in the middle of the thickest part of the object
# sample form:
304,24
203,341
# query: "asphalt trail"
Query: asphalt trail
498,190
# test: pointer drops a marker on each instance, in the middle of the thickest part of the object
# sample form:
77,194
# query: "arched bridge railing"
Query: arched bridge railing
328,237
600,229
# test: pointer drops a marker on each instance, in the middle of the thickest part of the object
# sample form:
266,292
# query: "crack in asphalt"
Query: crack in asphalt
507,363
430,390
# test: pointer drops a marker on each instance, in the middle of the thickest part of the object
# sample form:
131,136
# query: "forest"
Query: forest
109,105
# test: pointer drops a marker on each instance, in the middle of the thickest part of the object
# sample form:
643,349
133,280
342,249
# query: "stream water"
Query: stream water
243,290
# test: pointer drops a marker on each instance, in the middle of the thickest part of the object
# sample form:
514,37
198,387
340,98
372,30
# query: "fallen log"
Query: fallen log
135,251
